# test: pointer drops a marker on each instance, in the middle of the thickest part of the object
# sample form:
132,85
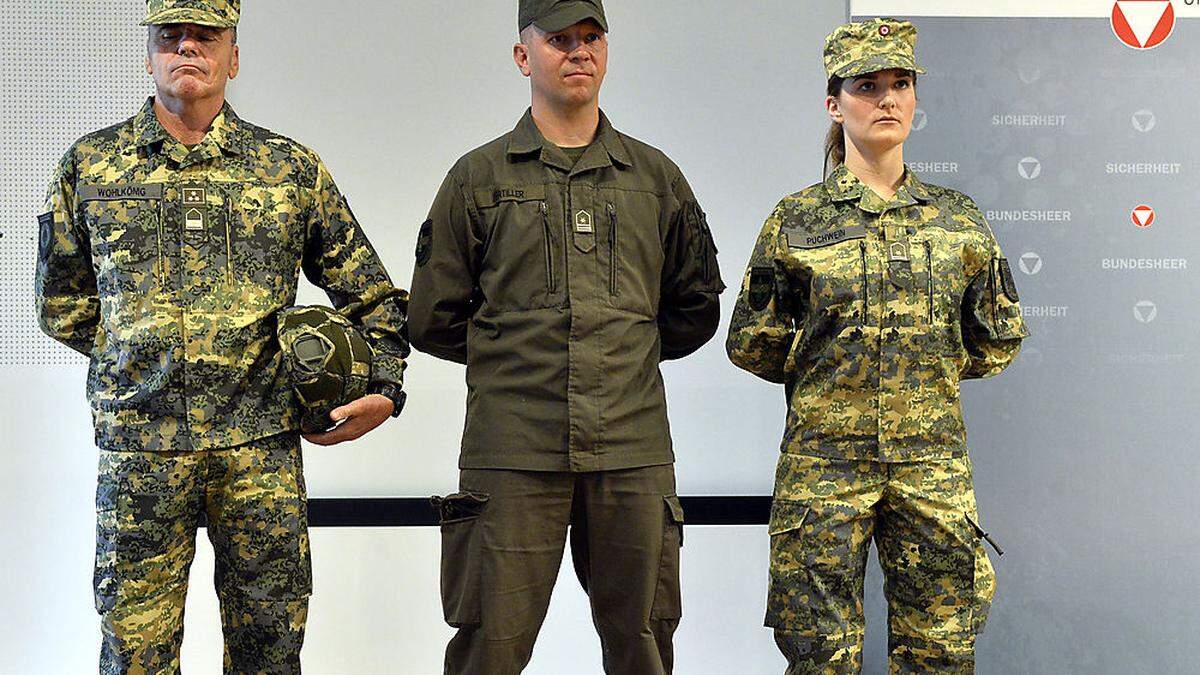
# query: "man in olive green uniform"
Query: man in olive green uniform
561,263
870,311
168,244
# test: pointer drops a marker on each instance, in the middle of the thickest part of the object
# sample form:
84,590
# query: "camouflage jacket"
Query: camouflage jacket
166,266
871,312
562,285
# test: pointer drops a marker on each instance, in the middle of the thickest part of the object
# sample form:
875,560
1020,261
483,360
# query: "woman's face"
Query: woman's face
875,109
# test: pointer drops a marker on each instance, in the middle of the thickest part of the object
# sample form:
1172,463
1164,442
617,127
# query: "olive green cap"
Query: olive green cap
216,13
865,47
555,15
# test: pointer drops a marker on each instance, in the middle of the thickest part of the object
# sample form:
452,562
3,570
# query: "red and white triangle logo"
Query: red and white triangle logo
1143,216
1143,24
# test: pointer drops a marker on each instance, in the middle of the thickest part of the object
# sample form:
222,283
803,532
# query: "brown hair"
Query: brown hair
835,140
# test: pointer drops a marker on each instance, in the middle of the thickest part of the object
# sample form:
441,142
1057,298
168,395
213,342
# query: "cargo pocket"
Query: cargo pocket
667,603
787,597
461,565
985,578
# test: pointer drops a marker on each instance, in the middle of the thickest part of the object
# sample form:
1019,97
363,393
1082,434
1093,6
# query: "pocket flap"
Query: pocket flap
674,508
459,506
787,515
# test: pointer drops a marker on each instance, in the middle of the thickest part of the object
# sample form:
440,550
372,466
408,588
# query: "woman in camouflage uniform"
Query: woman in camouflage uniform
870,296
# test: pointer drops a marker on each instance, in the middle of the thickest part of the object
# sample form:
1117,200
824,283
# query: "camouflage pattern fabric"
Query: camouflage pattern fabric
217,13
939,580
148,506
864,47
166,265
871,312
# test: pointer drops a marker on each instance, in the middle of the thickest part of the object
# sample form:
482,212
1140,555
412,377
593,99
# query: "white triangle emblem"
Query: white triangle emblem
1143,16
1143,215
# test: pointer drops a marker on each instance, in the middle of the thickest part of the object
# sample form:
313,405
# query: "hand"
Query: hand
361,415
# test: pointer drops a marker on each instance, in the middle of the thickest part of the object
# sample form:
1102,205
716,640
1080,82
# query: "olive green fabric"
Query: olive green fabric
869,46
555,15
923,519
216,13
503,536
562,286
573,154
328,362
148,506
871,311
165,265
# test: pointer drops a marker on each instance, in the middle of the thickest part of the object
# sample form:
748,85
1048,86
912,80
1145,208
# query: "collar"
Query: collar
226,135
606,150
843,185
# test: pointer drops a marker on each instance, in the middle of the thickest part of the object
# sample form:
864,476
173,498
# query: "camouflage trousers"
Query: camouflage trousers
939,582
148,507
503,536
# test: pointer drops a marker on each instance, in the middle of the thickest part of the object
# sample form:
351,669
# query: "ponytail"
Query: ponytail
835,140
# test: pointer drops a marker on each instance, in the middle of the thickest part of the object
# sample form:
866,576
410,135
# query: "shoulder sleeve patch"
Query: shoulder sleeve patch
1007,282
425,243
45,235
762,288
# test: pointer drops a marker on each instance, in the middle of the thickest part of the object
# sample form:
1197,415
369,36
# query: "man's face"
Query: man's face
191,62
567,67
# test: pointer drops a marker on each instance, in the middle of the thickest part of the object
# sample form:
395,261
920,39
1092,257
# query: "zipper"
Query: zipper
549,253
228,242
612,250
862,247
929,272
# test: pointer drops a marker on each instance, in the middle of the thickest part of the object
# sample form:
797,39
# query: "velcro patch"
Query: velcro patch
45,235
762,288
797,238
517,193
425,243
88,193
1007,282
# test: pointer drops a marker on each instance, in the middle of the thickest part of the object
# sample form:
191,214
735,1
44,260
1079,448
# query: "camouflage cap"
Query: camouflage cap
555,15
328,362
216,13
868,46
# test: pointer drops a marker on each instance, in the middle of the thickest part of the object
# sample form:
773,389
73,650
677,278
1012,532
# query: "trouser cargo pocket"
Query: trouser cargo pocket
667,603
789,596
461,558
985,578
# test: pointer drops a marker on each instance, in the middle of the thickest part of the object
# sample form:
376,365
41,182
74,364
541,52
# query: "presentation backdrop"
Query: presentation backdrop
1078,148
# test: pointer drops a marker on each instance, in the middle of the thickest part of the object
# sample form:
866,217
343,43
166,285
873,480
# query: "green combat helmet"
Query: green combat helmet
327,361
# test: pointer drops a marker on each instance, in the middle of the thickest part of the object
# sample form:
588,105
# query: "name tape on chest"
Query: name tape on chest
797,238
90,193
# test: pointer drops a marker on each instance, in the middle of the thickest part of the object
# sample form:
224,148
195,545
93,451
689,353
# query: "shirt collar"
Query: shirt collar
227,134
605,150
843,185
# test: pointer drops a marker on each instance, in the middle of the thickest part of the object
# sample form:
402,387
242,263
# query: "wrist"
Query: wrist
393,392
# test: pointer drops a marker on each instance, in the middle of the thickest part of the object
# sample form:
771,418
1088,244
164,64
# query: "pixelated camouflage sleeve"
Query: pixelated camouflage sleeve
763,326
340,260
992,325
68,306
444,278
689,305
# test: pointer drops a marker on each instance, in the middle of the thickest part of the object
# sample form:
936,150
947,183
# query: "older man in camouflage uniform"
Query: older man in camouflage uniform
168,244
870,311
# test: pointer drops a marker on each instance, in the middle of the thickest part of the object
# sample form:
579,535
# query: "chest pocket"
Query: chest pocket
268,230
524,257
124,222
944,261
832,266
